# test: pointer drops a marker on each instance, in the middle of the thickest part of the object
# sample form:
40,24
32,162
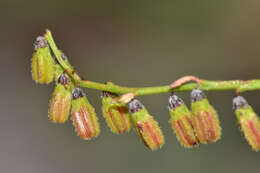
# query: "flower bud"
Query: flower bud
146,127
61,101
204,118
181,122
42,62
83,116
248,121
117,116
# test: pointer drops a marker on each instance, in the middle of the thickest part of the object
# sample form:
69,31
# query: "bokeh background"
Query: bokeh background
133,43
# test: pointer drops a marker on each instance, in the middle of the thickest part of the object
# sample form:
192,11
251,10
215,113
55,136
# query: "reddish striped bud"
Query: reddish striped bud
42,62
146,127
204,118
83,116
61,101
248,121
181,122
117,116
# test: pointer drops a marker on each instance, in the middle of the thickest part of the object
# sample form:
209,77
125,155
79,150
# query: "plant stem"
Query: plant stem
238,85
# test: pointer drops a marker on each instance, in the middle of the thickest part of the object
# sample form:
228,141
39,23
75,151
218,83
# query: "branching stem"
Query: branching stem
177,86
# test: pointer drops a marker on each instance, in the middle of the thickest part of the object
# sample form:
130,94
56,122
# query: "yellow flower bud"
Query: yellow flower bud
61,101
181,122
146,127
204,118
248,121
117,116
42,62
83,116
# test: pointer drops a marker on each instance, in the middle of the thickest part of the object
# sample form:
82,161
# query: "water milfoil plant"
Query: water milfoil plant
198,125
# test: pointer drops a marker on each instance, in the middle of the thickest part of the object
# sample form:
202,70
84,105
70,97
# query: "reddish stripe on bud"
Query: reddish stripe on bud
114,122
255,132
251,131
152,134
212,128
148,131
205,127
188,139
84,123
198,125
122,113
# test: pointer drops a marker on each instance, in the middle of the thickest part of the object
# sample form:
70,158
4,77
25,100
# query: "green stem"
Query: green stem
238,85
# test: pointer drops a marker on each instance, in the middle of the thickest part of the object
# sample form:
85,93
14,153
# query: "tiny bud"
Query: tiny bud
181,122
83,116
248,121
204,118
42,62
146,127
116,116
60,104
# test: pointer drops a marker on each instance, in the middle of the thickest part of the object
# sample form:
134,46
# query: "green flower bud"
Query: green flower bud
61,101
181,122
146,127
117,116
83,116
248,121
42,62
204,118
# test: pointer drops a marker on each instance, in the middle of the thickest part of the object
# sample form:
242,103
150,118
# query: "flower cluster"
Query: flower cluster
198,125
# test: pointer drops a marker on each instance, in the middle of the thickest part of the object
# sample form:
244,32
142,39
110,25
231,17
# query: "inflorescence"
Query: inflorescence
122,111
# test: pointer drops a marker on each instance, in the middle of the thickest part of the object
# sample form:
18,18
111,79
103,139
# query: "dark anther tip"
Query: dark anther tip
78,93
135,106
239,102
197,95
40,42
64,79
174,101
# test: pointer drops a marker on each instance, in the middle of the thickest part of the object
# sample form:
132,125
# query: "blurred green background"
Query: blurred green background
133,43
